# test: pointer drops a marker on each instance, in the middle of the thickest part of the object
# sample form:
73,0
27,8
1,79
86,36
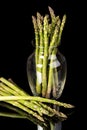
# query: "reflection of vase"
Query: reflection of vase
55,77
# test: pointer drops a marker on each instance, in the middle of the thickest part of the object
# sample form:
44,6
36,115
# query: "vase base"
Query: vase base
58,126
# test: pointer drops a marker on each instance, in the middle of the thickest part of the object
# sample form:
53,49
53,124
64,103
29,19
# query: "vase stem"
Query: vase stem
56,126
40,128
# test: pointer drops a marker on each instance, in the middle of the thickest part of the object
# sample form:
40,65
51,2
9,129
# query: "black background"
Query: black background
15,47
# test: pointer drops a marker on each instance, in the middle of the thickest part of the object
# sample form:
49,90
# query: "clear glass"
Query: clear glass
59,66
56,72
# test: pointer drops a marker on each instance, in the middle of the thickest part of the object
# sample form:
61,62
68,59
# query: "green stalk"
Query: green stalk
42,109
50,77
39,99
55,83
55,86
40,60
52,51
36,43
53,113
53,41
13,86
54,21
61,29
36,38
52,126
52,14
45,60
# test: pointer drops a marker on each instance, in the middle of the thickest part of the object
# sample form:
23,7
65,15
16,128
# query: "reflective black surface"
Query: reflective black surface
16,36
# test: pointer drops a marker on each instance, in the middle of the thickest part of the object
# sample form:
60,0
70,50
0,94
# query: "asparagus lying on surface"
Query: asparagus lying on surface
29,107
25,96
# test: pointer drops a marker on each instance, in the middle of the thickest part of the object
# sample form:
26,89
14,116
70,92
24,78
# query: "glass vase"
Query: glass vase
47,76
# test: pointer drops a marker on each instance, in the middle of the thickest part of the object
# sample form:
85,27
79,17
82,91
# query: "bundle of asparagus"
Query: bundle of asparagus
29,107
47,39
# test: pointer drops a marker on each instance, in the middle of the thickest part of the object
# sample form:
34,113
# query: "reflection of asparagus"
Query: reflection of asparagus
18,112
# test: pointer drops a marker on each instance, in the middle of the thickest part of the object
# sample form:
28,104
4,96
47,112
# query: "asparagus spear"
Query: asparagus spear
39,99
40,60
54,112
52,14
52,52
36,37
45,60
61,29
54,21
